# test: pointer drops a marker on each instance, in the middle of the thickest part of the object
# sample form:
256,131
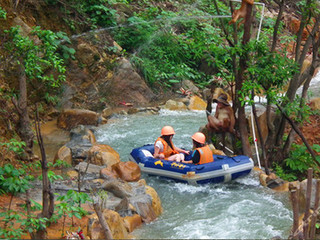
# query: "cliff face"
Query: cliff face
97,75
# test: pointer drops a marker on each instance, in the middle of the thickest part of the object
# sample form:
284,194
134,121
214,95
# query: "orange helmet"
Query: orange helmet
167,130
199,137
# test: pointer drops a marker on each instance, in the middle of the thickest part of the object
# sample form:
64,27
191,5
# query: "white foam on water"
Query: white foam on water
166,112
230,227
273,201
232,210
249,180
182,187
196,229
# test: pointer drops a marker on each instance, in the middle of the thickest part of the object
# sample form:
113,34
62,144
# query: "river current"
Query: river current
242,209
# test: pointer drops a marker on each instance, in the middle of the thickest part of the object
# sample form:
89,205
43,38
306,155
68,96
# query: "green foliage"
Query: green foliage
166,57
28,224
40,60
94,13
269,72
70,205
59,164
284,174
3,13
268,22
14,180
99,13
103,197
297,112
52,176
15,146
9,231
299,161
135,34
65,51
33,223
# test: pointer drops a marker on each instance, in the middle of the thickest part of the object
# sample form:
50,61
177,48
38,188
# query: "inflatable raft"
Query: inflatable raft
223,169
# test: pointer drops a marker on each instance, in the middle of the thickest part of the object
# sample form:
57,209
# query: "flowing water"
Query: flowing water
239,210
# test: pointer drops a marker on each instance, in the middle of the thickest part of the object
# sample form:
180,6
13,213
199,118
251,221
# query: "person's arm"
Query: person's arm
195,158
181,150
157,153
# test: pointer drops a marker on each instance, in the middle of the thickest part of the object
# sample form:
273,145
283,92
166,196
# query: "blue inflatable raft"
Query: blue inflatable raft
223,169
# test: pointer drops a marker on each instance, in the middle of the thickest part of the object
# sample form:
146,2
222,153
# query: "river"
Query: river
239,210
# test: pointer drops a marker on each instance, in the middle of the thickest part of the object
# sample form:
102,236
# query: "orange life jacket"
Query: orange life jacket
167,150
205,154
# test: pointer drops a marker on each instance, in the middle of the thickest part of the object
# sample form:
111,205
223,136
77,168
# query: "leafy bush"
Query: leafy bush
89,13
15,146
70,205
41,62
298,163
3,13
14,180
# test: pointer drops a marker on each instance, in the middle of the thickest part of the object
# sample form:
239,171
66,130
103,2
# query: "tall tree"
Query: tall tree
36,59
239,82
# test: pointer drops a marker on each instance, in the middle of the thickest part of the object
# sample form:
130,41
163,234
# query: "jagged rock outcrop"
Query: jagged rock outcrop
71,118
126,85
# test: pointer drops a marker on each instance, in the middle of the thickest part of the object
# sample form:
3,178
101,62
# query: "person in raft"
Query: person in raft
164,148
202,153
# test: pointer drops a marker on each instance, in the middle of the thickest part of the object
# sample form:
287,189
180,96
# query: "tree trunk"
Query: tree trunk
24,127
299,77
277,24
297,130
309,74
47,195
244,137
104,224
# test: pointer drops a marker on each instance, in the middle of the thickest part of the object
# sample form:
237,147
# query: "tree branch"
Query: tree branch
297,130
104,224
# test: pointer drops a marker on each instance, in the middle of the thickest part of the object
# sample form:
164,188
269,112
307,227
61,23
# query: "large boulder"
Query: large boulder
71,118
274,182
102,154
114,221
108,174
196,103
127,171
126,85
63,154
132,222
118,188
156,202
143,199
262,119
92,171
175,105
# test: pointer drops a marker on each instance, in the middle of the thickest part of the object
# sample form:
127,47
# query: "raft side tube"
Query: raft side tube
223,169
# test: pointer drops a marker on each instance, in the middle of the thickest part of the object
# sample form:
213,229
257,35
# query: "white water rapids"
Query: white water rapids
238,210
